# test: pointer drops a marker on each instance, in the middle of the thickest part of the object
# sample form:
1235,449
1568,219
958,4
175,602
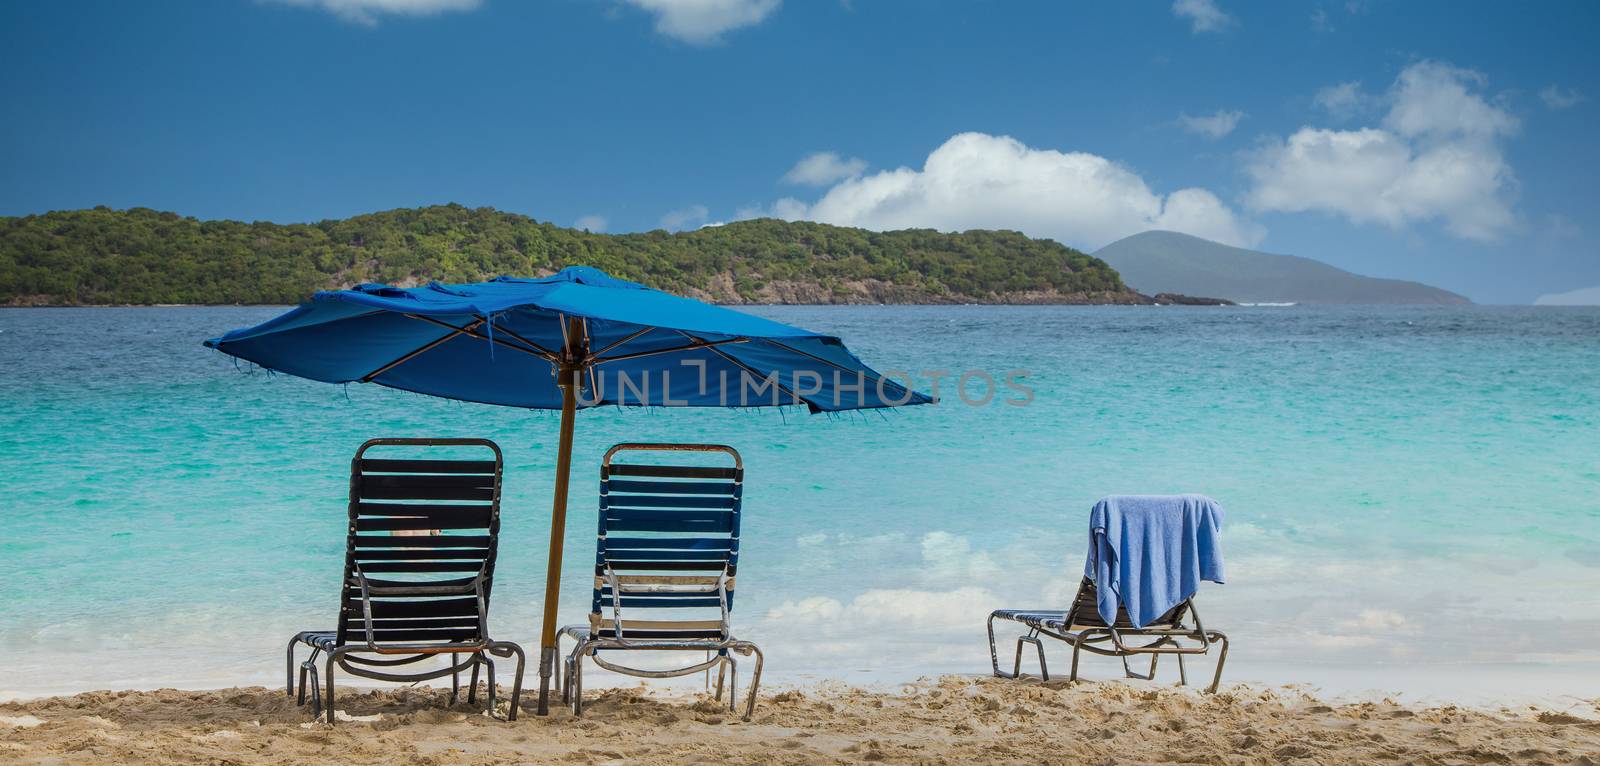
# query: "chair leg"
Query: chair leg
472,688
1032,638
1130,674
455,683
1183,673
289,666
722,668
1221,658
491,690
516,682
330,705
300,699
994,654
733,682
566,683
1077,646
755,682
309,680
577,682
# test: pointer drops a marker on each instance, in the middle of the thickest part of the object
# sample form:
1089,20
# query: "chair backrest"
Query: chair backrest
422,527
1085,612
669,541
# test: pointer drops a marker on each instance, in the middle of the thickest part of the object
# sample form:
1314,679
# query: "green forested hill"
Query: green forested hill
105,256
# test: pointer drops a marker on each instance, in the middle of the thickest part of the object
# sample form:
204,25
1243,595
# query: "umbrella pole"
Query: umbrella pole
558,530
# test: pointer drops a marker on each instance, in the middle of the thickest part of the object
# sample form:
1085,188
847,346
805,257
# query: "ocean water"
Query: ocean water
1406,488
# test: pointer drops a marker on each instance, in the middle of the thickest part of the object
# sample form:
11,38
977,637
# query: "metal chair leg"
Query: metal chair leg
1183,674
289,666
455,683
1222,657
994,655
577,684
722,668
330,705
310,680
508,650
472,687
755,682
1077,646
1038,645
491,690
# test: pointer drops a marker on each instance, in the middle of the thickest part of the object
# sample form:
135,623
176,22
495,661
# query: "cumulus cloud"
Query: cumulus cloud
594,223
703,22
1342,101
823,168
1557,97
685,218
1212,126
980,181
1436,156
367,12
1203,15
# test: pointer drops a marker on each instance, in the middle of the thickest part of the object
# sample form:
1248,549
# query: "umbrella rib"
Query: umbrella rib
513,346
426,347
545,352
747,368
697,344
596,354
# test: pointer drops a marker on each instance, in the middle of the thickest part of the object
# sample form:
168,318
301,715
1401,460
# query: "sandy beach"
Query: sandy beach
947,720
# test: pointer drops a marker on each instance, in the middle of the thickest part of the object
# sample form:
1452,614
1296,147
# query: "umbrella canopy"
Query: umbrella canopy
500,342
580,338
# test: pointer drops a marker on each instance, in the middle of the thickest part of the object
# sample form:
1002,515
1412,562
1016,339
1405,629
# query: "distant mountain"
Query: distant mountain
1166,261
1588,296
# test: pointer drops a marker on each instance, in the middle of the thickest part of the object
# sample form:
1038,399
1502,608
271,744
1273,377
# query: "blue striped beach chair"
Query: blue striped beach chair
665,561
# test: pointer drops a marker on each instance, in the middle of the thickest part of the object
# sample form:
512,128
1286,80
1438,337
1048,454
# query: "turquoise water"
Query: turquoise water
1404,486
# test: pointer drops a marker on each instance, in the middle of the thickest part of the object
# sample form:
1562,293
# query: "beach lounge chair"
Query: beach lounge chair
418,572
665,561
1175,629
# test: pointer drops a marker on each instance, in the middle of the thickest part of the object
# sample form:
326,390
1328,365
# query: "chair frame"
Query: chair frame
1084,628
719,651
370,660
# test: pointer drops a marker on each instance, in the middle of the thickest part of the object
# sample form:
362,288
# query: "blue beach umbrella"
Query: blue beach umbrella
580,338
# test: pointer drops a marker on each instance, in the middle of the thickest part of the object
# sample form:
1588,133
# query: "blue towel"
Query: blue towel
1150,552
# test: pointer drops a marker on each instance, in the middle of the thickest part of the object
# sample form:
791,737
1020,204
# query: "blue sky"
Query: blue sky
1445,142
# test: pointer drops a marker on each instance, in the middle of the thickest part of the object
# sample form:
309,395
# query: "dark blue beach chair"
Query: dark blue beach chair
418,573
665,562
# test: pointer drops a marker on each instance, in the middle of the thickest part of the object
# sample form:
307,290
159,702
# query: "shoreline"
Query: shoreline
945,720
1547,685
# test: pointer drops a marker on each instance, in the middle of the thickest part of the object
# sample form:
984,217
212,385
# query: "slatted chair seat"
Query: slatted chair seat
419,573
666,561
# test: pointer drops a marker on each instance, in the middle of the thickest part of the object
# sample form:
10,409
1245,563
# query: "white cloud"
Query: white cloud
1557,97
980,181
1212,126
685,218
703,22
1437,156
1342,101
1587,296
823,168
1320,21
594,223
1203,15
366,12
